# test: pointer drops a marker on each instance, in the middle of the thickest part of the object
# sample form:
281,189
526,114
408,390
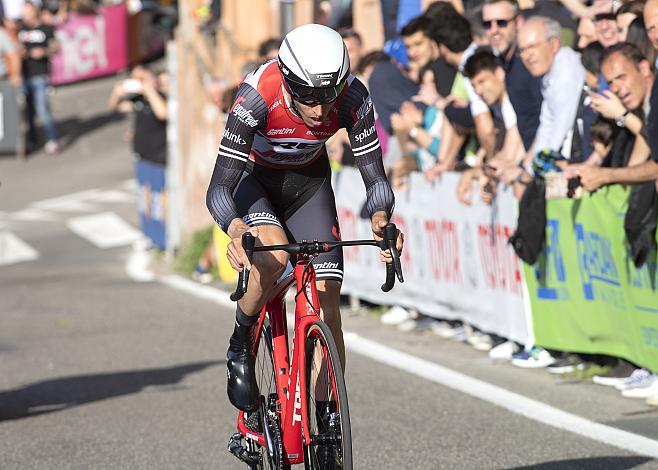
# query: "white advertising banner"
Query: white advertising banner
457,263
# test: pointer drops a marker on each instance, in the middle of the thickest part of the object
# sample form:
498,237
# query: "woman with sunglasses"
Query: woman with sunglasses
272,178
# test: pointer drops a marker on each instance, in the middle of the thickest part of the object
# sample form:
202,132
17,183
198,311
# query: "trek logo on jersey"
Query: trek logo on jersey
234,137
364,134
244,115
274,105
364,108
282,131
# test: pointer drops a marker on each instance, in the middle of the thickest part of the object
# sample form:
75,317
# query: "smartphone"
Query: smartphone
131,86
603,84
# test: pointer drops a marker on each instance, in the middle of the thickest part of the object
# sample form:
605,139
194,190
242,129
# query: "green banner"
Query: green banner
586,294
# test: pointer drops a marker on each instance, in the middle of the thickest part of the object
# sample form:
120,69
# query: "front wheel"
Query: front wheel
326,397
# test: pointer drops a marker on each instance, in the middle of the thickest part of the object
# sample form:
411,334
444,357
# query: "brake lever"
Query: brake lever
248,242
395,268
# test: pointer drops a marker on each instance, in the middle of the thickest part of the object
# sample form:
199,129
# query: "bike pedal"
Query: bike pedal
236,448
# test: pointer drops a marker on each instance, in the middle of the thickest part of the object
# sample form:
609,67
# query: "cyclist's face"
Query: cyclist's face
314,115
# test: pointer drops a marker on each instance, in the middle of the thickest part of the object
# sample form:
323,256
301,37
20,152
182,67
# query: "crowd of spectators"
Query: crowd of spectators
498,91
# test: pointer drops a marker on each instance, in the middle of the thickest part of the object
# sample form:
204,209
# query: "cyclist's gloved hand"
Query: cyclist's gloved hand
379,221
235,253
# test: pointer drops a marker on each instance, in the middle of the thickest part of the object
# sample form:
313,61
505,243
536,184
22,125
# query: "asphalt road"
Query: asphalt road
98,371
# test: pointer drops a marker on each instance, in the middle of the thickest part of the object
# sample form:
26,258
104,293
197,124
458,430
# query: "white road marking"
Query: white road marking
518,404
64,204
111,195
32,215
14,250
105,230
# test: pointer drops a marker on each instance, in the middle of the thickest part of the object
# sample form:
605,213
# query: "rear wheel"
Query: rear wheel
326,397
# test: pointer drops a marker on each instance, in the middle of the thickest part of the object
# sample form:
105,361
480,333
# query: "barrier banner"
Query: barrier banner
91,45
152,200
456,259
586,294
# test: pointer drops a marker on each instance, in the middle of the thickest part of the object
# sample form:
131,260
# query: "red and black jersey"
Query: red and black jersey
262,127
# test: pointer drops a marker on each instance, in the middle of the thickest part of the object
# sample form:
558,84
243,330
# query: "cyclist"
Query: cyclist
272,178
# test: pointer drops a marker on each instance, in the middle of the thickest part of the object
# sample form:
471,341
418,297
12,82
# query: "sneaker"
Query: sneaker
395,316
481,342
504,351
566,365
638,378
52,147
535,358
653,400
418,324
450,331
621,372
645,391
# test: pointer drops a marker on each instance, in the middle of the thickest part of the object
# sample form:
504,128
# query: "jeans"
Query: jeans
36,101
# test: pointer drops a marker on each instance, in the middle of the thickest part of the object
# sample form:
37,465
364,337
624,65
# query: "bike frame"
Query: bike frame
290,376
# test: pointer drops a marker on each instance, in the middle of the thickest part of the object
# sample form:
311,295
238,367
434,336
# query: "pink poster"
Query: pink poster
91,45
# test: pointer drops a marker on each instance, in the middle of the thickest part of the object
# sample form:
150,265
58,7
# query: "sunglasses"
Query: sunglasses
500,23
314,96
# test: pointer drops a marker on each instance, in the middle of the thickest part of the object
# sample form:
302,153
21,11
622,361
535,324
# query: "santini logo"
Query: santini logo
282,131
234,137
365,134
244,115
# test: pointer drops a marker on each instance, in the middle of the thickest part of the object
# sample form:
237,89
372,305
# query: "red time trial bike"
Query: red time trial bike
303,414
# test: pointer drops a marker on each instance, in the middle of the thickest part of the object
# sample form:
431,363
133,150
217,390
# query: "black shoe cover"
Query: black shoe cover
241,387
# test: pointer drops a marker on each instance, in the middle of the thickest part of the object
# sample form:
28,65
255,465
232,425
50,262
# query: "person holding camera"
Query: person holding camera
145,93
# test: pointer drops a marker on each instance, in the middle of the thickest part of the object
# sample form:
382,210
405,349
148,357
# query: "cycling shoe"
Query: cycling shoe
241,387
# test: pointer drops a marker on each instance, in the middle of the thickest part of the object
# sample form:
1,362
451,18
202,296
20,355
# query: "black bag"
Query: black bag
640,221
530,234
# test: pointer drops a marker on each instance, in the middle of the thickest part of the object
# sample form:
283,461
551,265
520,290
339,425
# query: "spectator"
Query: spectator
651,25
456,45
586,32
591,59
10,66
145,94
354,45
38,44
625,16
631,79
637,34
488,79
563,77
604,16
524,90
269,49
418,133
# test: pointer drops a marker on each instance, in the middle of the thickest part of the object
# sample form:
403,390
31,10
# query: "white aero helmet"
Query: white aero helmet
314,64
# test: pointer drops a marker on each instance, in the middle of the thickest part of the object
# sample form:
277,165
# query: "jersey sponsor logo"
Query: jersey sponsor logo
324,82
326,265
238,100
364,108
281,131
244,115
364,134
274,105
320,133
234,137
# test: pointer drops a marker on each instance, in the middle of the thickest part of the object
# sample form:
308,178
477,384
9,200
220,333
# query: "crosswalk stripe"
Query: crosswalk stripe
105,230
14,250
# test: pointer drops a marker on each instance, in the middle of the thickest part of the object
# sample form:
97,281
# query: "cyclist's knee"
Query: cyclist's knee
271,264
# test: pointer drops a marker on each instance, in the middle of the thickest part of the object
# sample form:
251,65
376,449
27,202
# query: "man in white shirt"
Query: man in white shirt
563,77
